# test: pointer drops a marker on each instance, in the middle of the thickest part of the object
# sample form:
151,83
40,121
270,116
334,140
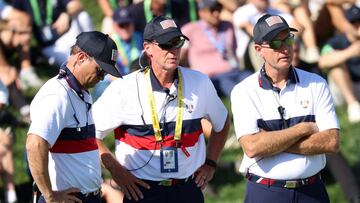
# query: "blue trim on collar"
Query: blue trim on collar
265,81
156,86
71,80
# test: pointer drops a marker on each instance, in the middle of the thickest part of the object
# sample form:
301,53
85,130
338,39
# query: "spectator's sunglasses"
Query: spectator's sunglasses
278,43
175,43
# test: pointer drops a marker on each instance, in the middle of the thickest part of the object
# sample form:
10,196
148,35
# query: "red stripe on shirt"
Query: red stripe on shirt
74,146
148,142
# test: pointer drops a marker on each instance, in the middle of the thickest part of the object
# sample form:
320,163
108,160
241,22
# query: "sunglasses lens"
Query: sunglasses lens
275,44
172,45
289,41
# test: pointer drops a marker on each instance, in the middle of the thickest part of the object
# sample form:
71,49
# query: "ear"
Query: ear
147,49
81,58
258,49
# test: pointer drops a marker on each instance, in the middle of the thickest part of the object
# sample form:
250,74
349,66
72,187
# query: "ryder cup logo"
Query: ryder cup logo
189,108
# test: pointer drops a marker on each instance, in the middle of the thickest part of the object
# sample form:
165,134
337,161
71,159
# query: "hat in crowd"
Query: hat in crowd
102,48
353,14
122,16
162,29
208,4
268,26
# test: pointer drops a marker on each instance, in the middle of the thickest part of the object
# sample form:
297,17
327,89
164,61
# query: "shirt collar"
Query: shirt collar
156,86
265,81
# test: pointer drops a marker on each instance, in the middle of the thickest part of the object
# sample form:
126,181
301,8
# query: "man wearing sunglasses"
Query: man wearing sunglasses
285,121
156,113
62,152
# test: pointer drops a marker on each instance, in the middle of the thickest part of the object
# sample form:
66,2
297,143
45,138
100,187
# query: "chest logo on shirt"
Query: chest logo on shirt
189,108
304,103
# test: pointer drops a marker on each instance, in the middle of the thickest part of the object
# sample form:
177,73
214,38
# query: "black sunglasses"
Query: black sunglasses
277,44
100,72
172,44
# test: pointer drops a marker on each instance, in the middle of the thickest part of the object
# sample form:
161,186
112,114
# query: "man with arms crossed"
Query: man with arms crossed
285,121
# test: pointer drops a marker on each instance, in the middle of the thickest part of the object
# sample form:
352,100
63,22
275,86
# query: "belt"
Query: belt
170,182
284,183
91,194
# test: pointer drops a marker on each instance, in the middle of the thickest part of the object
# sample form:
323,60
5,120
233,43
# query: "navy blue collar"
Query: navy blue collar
266,83
156,86
71,80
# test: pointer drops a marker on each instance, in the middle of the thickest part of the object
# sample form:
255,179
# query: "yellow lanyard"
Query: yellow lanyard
180,108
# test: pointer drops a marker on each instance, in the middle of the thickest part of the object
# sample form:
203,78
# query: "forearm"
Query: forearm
216,141
268,143
105,7
74,7
333,59
37,154
107,158
319,143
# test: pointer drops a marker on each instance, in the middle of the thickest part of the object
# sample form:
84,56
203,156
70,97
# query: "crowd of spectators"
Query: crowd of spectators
220,46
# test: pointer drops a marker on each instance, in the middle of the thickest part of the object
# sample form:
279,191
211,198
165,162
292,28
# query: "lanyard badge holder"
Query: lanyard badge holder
168,155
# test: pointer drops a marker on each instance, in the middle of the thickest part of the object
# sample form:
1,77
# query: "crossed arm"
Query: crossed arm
303,138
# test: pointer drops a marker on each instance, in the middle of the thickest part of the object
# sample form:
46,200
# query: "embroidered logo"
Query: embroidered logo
165,24
273,20
304,103
114,54
189,108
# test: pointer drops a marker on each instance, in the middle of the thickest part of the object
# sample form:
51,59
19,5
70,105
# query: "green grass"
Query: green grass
227,185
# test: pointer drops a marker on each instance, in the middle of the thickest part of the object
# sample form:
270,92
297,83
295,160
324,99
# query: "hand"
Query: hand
128,183
354,48
204,175
64,196
62,24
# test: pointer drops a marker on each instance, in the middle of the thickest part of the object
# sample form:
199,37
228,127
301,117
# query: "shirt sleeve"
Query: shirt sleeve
325,114
4,94
244,111
217,112
48,118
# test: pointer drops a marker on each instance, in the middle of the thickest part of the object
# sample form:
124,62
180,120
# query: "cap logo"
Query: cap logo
165,24
273,20
114,54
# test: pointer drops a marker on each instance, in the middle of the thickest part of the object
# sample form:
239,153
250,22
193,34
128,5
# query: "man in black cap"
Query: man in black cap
285,121
156,113
62,153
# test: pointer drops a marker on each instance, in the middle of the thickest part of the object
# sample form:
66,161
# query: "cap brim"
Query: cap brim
274,33
164,38
112,70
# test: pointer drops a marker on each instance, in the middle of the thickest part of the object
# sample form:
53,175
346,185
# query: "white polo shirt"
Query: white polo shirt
306,98
74,156
4,94
124,103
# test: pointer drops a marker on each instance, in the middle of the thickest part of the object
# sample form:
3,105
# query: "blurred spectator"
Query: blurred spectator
56,23
6,155
211,48
299,9
244,20
341,57
182,11
15,35
328,17
107,7
129,43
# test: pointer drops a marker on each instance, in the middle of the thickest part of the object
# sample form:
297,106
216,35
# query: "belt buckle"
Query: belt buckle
290,184
168,182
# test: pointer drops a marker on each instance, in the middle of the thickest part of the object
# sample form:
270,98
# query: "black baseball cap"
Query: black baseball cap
353,14
268,26
122,16
102,48
162,29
